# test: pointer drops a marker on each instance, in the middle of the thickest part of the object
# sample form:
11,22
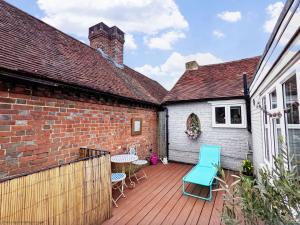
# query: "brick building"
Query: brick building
58,94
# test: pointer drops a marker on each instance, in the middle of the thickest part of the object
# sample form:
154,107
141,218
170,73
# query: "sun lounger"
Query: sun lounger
205,171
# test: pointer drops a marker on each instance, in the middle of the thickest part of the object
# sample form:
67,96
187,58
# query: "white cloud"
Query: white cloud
218,34
170,71
147,17
230,16
273,12
165,41
130,42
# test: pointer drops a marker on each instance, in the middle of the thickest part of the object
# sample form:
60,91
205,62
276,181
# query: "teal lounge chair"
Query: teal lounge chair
205,171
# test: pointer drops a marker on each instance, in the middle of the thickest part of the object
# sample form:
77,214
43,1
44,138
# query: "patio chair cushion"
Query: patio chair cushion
140,162
201,175
117,177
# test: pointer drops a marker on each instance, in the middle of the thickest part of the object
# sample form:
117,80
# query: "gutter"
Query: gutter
23,77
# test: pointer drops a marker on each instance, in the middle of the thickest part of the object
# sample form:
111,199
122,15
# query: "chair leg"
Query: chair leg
209,198
121,189
139,178
115,203
210,194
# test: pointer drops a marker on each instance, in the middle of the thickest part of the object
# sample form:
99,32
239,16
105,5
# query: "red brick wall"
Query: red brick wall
36,132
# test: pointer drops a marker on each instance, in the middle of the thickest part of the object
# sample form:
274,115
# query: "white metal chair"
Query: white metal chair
117,178
138,164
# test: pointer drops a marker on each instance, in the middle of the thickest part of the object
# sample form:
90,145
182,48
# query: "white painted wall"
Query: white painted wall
234,141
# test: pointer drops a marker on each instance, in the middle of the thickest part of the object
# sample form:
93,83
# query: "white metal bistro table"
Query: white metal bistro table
125,159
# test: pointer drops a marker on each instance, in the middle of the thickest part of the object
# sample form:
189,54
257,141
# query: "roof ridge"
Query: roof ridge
231,61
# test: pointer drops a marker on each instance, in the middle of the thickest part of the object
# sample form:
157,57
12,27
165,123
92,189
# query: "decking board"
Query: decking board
159,200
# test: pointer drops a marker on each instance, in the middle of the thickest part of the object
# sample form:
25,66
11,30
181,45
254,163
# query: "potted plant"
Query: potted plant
247,169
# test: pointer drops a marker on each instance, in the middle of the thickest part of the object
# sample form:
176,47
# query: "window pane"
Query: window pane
267,149
294,148
236,115
266,130
264,106
290,97
273,100
279,140
292,119
220,115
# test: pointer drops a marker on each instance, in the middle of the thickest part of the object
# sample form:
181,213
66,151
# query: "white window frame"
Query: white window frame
227,106
264,134
278,85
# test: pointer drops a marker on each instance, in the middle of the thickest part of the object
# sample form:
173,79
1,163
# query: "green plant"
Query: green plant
274,199
247,167
231,200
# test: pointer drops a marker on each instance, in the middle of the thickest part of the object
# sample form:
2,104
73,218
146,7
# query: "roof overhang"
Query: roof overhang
202,100
33,79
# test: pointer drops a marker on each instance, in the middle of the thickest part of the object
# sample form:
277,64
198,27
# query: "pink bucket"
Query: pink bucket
154,159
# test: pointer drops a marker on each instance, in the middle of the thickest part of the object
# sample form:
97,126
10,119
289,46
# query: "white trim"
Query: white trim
228,123
227,102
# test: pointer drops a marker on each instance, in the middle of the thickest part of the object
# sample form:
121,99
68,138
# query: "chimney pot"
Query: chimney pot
192,65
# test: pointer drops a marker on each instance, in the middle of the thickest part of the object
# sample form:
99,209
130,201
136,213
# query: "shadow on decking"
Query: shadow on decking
159,200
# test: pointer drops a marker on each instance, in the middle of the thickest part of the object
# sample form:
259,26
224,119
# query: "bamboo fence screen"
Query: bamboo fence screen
75,193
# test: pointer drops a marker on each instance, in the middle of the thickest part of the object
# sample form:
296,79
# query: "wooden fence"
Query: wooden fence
75,193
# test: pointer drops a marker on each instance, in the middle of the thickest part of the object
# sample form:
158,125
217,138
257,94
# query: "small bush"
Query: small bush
273,199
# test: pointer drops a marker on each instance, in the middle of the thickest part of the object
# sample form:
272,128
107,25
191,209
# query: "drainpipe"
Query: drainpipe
167,131
247,99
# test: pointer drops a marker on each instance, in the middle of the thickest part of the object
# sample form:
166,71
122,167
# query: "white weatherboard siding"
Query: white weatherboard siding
257,137
234,141
283,56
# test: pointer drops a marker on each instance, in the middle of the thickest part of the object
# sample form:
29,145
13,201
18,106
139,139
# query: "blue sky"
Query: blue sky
163,35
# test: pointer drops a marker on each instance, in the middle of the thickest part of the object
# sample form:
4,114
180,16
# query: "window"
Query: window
283,96
236,114
229,115
266,131
220,115
290,95
273,100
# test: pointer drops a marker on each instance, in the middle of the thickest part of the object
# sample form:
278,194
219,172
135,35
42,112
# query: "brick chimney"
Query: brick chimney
109,39
192,65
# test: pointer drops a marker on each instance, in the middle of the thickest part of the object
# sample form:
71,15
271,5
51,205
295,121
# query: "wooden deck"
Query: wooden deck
159,200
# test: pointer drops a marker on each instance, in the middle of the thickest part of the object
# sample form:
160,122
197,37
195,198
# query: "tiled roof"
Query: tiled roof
152,86
213,81
30,45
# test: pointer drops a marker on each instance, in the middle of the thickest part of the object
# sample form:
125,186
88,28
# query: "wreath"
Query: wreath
193,129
